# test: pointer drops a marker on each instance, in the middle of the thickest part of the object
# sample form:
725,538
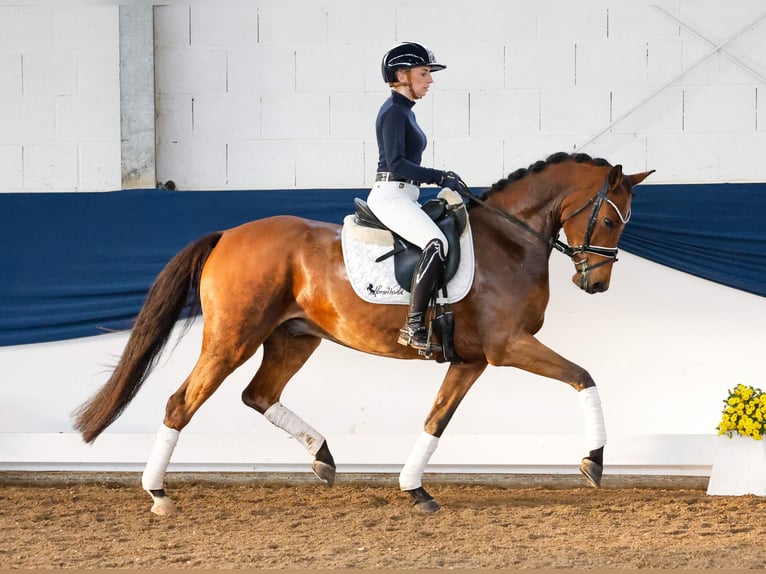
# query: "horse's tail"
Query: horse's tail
176,287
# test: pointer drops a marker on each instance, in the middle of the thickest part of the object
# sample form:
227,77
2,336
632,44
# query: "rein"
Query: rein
609,253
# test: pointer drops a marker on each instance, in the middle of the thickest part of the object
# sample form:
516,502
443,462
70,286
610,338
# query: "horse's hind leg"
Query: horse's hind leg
208,374
284,353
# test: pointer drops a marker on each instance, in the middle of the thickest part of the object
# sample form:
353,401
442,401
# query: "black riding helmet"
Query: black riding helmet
407,55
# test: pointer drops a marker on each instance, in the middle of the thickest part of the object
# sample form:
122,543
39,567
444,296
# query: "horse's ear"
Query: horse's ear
637,178
614,177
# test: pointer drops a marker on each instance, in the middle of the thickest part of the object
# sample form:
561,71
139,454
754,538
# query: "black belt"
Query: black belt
388,176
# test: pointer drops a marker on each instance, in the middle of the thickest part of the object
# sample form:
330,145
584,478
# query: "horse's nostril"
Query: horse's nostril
599,287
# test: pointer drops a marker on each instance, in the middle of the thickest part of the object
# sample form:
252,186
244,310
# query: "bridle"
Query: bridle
608,253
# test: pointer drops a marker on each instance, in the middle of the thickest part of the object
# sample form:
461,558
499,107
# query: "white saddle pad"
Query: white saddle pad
375,282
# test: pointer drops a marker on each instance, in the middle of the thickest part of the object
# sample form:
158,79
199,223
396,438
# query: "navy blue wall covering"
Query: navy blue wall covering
80,264
713,231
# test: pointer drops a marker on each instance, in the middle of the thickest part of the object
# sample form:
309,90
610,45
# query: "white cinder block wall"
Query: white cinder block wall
283,93
59,98
276,94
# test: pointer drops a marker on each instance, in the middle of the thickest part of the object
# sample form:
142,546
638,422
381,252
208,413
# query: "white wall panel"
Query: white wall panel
262,70
350,114
174,118
571,20
87,119
342,159
261,164
690,157
575,111
11,168
662,113
296,23
190,71
361,23
536,65
50,74
606,63
505,113
50,167
217,25
227,117
640,20
452,114
746,153
26,28
192,164
479,161
98,74
329,69
664,62
86,27
172,27
27,120
475,67
10,71
295,116
719,109
98,170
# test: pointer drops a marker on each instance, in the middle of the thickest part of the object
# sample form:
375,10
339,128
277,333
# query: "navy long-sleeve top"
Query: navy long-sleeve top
401,141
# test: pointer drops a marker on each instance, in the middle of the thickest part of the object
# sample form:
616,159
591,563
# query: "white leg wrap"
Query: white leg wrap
412,473
282,417
595,429
157,465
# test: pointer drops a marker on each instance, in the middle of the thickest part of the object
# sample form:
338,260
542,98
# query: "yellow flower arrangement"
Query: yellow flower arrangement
744,413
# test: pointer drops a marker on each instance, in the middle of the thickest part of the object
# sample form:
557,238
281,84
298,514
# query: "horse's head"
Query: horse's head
593,220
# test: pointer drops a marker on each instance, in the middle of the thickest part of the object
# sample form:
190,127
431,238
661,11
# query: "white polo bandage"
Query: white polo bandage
412,473
595,429
157,465
282,417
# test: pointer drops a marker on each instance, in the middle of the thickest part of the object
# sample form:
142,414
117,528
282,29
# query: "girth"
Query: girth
451,220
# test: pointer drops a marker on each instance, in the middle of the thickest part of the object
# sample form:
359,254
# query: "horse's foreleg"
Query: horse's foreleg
457,381
283,355
532,356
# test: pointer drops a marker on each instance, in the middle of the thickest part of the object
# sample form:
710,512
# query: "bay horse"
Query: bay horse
280,282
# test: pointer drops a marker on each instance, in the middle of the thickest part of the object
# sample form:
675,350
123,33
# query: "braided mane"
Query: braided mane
538,166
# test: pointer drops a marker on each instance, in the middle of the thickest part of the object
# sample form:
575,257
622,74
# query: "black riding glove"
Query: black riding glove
451,180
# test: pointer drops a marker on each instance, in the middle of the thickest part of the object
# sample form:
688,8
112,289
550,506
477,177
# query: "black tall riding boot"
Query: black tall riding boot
427,273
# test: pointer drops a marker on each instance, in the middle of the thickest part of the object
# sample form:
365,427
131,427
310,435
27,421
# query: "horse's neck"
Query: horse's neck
535,201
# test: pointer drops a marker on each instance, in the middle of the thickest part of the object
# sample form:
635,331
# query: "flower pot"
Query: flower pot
739,467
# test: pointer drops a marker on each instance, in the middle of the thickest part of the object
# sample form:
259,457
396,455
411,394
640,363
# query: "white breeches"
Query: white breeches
396,205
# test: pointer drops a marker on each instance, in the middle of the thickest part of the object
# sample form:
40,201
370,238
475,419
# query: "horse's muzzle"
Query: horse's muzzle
583,280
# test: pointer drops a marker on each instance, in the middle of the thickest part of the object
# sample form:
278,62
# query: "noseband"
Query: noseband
609,253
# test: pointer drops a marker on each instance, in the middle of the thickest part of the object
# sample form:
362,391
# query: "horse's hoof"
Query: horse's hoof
424,502
163,506
592,471
427,507
324,472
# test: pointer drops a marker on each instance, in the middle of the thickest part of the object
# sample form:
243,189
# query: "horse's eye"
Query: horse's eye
609,223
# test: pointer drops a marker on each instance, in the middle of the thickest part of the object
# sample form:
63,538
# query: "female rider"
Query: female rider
394,197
